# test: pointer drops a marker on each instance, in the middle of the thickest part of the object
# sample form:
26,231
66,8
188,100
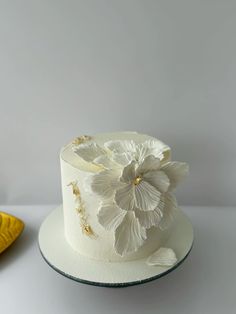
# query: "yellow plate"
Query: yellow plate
10,229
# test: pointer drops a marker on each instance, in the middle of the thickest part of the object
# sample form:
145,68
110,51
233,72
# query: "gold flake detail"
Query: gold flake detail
81,139
86,228
137,180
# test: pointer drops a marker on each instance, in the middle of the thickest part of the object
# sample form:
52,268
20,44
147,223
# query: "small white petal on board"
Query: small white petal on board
162,257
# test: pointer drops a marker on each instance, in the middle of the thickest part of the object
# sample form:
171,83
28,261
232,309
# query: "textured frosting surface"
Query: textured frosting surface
99,243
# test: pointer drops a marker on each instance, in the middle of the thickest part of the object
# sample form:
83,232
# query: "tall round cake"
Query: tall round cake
118,200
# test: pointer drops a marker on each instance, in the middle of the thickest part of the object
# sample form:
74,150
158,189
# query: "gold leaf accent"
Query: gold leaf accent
75,188
10,229
137,180
81,139
86,228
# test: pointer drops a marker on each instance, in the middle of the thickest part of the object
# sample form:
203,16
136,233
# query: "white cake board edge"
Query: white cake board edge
62,258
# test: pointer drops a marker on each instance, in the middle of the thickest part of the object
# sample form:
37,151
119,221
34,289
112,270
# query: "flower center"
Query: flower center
137,180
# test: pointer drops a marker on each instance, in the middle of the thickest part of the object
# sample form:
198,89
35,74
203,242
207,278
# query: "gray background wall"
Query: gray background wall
167,68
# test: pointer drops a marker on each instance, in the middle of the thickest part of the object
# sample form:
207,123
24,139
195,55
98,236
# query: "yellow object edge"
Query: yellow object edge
10,229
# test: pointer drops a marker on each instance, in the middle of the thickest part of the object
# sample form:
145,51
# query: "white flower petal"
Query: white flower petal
110,216
124,197
162,257
146,196
120,146
105,182
89,151
169,210
129,235
105,161
158,179
128,173
150,163
165,156
150,218
151,147
176,171
123,159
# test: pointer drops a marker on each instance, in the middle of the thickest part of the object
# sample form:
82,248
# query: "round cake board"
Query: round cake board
66,261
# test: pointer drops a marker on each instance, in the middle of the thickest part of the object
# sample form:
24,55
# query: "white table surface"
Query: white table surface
205,283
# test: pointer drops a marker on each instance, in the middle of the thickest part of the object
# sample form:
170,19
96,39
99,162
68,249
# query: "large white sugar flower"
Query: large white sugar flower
135,188
141,199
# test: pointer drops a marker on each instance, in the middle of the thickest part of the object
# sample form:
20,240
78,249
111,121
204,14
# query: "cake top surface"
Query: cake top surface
69,155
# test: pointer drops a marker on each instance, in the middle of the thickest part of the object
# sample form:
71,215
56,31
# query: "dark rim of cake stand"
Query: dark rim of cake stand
116,285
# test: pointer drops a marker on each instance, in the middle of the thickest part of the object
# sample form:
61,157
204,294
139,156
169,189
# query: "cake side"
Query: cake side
87,198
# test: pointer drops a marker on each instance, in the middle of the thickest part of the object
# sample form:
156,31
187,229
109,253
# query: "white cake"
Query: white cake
117,195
